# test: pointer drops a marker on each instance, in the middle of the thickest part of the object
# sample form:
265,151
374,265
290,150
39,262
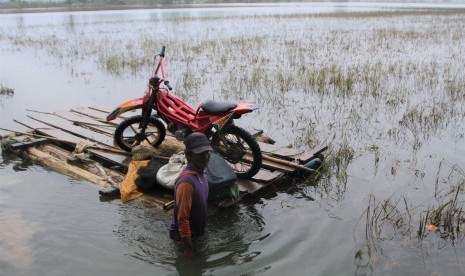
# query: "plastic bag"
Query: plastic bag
167,174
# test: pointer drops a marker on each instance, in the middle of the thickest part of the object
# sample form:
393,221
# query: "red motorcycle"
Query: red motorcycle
215,119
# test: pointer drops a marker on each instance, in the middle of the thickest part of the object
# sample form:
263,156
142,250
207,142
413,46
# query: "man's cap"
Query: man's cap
197,143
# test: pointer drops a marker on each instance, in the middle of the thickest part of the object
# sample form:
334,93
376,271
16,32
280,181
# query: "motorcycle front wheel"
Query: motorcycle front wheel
240,149
129,134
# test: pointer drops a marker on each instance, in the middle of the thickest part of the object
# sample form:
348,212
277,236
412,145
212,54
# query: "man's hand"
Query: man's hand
188,248
189,253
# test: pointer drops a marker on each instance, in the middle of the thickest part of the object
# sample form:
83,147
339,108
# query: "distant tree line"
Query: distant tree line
25,4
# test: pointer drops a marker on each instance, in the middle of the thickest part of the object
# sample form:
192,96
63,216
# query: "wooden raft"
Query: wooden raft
67,129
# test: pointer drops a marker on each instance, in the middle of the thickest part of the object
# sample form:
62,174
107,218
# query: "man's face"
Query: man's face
199,161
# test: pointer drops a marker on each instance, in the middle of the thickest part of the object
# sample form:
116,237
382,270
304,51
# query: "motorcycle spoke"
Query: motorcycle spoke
235,150
135,143
241,167
131,134
154,134
148,140
133,137
132,128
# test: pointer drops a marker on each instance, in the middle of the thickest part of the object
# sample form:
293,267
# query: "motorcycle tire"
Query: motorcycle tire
240,149
128,134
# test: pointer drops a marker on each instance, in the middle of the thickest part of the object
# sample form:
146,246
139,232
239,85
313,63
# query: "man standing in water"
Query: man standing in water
191,194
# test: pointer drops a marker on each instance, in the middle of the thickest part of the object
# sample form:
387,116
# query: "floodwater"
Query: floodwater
381,84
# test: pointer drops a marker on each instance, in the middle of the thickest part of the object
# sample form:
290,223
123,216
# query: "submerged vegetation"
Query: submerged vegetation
435,223
6,92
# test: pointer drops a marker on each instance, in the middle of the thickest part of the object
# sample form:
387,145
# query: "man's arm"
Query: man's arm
184,196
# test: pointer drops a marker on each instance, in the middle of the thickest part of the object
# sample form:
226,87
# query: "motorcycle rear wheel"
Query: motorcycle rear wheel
240,149
128,133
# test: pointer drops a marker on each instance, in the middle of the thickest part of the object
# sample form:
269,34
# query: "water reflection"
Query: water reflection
229,234
70,25
15,241
8,158
20,22
364,261
16,232
144,229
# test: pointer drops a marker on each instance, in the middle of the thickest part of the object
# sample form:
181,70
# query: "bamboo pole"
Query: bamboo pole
292,164
288,163
167,206
69,142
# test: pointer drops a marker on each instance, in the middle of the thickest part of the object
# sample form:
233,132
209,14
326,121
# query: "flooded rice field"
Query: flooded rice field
381,84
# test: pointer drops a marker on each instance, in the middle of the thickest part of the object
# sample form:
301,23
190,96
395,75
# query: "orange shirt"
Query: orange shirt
184,196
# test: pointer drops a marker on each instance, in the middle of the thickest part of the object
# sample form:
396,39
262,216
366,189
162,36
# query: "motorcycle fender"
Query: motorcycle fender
125,107
223,121
242,108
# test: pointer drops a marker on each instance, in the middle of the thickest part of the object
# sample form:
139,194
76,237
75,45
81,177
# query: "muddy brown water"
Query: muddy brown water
381,84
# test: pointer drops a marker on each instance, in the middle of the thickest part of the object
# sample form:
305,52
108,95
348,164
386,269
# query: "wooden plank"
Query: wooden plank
291,164
98,111
306,156
73,117
270,163
117,159
265,147
84,118
96,115
290,154
248,186
43,129
47,130
102,112
169,146
78,131
87,122
285,152
61,166
102,109
26,144
265,175
4,134
277,166
90,165
90,112
107,110
43,134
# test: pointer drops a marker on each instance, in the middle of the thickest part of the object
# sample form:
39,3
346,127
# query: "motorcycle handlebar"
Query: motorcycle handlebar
167,83
162,54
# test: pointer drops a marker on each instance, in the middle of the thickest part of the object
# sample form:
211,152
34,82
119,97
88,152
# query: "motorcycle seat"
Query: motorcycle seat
217,108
